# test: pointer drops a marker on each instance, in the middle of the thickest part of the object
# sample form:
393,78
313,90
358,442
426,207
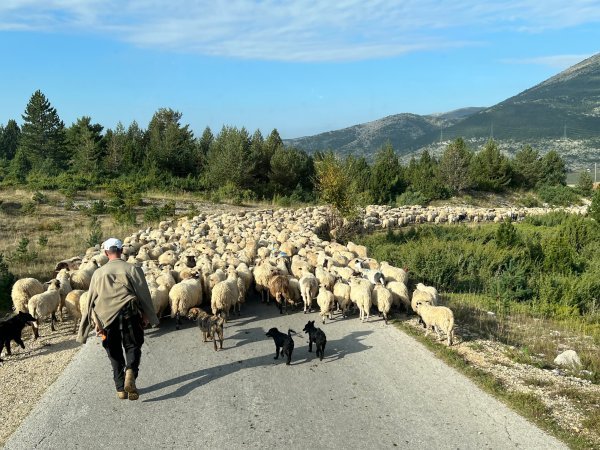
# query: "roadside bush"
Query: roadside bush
97,207
529,201
123,216
39,198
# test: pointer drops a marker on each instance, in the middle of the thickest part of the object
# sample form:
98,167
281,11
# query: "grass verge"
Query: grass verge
528,405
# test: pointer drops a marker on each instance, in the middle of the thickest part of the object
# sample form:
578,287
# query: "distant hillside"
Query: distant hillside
401,130
561,113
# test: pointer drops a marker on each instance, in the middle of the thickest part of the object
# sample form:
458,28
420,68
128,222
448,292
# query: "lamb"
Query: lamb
23,290
185,295
360,294
341,294
295,294
81,278
309,288
225,294
45,304
167,258
392,273
439,318
382,299
72,303
400,294
325,301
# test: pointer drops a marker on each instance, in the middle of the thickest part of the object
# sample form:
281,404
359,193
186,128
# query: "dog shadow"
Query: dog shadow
340,348
246,336
352,343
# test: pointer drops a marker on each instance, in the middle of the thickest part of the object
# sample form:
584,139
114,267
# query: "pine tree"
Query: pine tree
43,135
554,169
9,140
527,167
229,159
585,184
455,166
385,180
115,149
490,169
84,144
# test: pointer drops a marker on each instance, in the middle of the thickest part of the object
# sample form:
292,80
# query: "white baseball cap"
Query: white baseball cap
112,242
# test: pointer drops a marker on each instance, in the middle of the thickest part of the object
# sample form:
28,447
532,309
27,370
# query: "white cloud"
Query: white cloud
555,61
295,30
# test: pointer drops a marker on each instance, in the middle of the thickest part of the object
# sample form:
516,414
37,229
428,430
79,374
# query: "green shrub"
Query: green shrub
410,198
39,198
594,209
152,214
28,208
529,201
558,195
43,240
97,207
22,254
95,232
506,234
123,216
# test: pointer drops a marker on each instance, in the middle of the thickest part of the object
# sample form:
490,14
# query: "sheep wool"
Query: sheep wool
325,301
438,318
45,304
23,290
382,299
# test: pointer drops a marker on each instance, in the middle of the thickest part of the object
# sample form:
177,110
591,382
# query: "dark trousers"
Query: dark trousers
124,334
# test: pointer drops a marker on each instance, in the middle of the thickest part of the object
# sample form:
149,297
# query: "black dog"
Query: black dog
10,330
284,342
317,336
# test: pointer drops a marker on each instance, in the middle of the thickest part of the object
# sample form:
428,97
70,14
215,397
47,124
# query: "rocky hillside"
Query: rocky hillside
561,113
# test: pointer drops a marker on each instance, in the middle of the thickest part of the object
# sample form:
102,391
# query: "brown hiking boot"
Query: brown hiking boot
122,395
130,385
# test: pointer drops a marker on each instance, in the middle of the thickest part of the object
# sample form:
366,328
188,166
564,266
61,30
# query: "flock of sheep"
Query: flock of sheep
216,259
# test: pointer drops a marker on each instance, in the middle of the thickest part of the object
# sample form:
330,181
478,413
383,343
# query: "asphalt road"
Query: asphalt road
376,388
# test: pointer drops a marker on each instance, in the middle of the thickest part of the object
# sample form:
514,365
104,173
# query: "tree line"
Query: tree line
43,153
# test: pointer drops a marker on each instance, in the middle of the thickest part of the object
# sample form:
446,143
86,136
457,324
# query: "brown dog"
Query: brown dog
211,327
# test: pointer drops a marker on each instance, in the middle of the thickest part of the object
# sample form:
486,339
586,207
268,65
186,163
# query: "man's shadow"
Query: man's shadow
334,351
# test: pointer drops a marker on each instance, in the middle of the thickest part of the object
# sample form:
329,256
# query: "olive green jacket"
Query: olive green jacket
112,287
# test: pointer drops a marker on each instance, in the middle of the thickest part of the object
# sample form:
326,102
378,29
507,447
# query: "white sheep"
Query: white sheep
392,273
185,295
341,294
81,278
400,294
421,296
65,288
309,288
382,299
23,290
45,304
159,293
439,318
325,278
360,294
325,301
72,303
225,294
433,291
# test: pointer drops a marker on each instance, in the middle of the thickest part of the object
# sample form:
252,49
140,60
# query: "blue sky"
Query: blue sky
302,66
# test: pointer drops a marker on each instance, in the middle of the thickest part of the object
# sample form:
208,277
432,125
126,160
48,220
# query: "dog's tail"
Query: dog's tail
290,331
